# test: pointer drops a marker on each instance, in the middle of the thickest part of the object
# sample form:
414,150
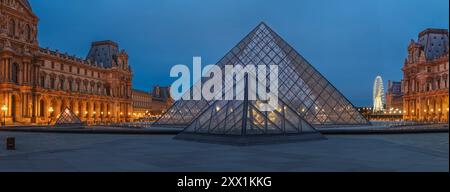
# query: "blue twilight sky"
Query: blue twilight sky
349,41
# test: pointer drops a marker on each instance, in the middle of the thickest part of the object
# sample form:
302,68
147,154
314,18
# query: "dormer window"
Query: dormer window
28,33
12,28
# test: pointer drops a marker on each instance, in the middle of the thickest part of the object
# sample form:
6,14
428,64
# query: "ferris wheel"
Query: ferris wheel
379,99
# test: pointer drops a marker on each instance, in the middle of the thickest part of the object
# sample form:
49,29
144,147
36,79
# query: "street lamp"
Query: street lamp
51,110
4,109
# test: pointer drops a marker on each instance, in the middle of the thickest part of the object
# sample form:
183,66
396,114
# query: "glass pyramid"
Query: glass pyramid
303,91
68,118
243,117
241,122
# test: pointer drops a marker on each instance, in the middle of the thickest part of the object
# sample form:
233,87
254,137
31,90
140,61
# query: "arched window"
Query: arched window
12,28
107,89
79,86
86,87
42,81
71,85
61,84
15,73
52,83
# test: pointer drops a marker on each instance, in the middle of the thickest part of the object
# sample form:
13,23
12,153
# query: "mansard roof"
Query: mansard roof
104,53
27,4
434,42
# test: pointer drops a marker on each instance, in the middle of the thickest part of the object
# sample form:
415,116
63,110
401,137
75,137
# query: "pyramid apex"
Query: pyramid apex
262,23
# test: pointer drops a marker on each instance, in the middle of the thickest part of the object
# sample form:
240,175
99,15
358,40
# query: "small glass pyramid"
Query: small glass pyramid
68,118
302,90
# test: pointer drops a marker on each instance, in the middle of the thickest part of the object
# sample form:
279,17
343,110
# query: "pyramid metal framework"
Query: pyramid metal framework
303,91
240,122
243,117
68,118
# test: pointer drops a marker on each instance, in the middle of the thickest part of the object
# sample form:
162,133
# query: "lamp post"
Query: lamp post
101,117
51,110
95,122
109,120
4,109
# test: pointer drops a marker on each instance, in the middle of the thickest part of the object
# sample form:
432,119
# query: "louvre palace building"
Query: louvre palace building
425,79
37,84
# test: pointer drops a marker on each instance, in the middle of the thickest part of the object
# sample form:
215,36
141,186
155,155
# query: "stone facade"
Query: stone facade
161,101
426,79
142,103
36,84
151,104
394,98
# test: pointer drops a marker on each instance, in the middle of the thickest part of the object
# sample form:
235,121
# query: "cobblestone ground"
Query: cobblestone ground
97,152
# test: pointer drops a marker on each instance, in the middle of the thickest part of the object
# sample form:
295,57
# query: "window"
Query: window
28,33
70,69
52,83
53,65
79,86
61,84
12,28
15,73
85,72
62,67
42,81
71,85
78,70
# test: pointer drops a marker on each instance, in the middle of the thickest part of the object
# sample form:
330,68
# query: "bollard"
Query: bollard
10,143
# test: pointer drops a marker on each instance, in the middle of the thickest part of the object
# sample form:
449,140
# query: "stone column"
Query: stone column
34,111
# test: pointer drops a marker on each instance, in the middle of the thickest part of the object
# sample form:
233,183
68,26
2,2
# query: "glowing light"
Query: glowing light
4,108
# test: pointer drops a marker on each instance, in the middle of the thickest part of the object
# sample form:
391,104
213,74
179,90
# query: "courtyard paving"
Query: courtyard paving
160,153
